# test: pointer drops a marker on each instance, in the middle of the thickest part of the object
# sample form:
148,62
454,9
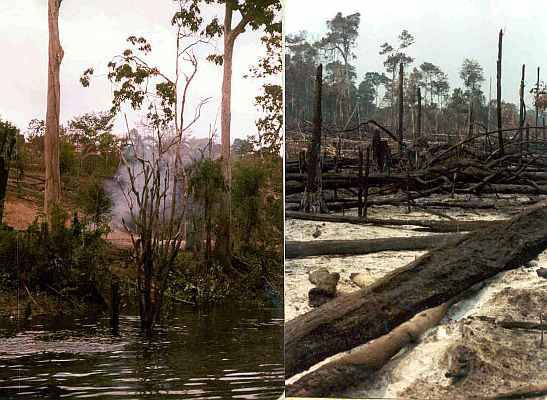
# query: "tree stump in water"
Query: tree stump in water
325,286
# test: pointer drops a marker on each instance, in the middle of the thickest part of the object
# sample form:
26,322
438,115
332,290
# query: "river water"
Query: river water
219,353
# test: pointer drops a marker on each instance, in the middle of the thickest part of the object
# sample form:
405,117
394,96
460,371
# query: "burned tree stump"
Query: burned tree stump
313,200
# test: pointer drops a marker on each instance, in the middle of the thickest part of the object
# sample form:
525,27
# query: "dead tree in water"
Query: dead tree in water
159,231
498,105
313,201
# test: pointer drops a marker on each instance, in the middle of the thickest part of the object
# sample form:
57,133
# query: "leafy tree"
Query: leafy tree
339,41
206,186
301,58
95,201
254,14
270,102
471,74
8,137
394,57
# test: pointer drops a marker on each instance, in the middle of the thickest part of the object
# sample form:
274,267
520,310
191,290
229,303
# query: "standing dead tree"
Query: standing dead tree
401,108
52,192
498,98
157,233
313,201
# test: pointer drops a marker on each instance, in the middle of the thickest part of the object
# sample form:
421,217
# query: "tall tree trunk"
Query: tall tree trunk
498,82
537,110
52,192
230,35
522,117
313,201
401,109
419,123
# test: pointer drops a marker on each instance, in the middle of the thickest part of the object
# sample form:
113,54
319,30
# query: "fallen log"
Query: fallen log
432,226
348,321
509,324
360,364
311,248
524,392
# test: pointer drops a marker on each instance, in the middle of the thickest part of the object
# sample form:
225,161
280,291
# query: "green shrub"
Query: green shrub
63,260
94,201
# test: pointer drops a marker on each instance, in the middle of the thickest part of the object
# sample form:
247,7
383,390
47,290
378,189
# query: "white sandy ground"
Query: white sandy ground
418,372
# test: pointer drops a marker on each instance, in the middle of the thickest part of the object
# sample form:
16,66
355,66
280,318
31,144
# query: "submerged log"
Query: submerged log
300,249
351,320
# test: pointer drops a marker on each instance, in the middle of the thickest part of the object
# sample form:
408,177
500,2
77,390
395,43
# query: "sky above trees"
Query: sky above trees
91,34
446,32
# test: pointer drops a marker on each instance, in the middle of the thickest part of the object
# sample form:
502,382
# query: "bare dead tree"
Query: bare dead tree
498,89
157,232
313,201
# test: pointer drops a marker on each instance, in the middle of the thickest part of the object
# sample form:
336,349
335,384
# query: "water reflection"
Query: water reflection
220,353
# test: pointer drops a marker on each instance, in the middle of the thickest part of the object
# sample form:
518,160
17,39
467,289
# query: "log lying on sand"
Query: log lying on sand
432,226
297,249
524,392
325,286
351,320
509,324
360,364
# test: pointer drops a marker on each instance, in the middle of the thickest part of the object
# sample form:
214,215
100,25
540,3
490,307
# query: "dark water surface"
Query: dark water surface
220,353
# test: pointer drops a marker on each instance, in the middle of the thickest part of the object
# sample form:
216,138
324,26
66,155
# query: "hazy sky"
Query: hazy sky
92,32
446,32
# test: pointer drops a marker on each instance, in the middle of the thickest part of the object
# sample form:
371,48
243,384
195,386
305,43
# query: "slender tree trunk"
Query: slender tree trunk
312,200
537,110
52,195
498,105
521,108
419,128
401,108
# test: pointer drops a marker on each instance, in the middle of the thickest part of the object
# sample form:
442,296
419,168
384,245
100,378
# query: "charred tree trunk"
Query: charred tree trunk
401,109
537,109
498,89
419,122
115,307
351,320
360,193
313,201
521,109
366,183
52,192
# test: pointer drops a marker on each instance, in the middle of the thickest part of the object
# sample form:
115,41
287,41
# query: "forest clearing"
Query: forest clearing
141,219
416,225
